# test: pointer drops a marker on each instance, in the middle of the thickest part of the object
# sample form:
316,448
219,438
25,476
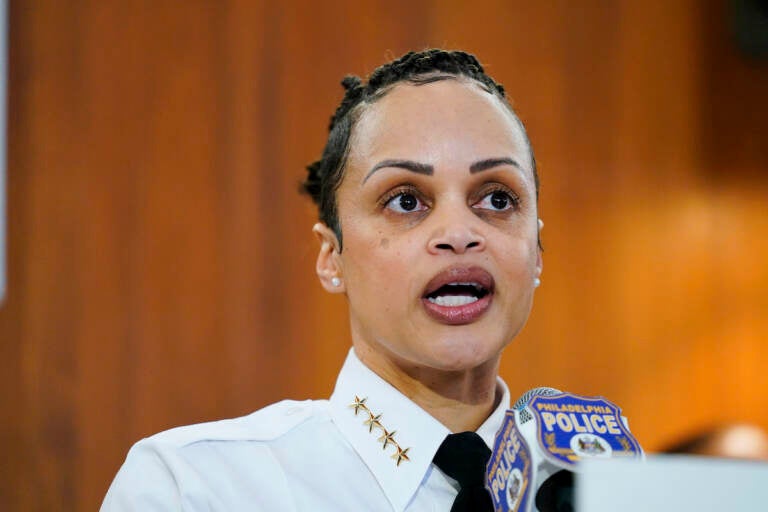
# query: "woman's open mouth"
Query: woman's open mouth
458,295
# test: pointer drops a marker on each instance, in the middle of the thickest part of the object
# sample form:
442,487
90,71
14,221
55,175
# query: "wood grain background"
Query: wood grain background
161,262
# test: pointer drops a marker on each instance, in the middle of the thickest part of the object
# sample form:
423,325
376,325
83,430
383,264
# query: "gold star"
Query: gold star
400,455
387,437
359,404
372,421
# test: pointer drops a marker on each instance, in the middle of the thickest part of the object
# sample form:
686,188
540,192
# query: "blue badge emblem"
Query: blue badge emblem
571,427
509,472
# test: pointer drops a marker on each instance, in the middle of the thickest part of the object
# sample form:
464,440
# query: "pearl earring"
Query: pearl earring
335,281
536,282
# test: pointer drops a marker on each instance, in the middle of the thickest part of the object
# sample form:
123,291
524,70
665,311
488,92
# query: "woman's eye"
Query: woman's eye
497,200
405,202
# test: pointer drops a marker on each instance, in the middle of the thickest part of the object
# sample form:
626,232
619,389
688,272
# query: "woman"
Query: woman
427,195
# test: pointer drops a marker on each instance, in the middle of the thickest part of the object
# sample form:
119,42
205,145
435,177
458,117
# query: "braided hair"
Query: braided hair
417,68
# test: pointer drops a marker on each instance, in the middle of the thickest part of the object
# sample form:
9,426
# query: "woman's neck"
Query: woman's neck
461,400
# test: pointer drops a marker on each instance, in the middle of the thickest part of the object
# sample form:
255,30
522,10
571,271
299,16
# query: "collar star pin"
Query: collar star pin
400,455
387,438
373,421
358,404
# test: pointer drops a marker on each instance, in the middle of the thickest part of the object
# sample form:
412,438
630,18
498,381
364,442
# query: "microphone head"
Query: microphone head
570,427
522,402
509,473
528,396
544,435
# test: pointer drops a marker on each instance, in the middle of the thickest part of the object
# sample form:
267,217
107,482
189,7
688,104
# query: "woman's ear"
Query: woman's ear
539,260
328,266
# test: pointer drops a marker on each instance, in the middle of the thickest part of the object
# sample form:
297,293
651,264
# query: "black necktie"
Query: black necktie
463,457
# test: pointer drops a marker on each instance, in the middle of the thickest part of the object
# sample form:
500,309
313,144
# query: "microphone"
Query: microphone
540,442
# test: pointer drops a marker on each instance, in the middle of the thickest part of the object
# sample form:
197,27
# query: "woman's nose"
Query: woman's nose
456,234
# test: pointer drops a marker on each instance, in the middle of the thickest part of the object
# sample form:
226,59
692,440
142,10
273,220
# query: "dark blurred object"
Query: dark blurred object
556,493
750,26
736,441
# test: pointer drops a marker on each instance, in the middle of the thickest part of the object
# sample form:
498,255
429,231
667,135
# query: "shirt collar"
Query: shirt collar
381,410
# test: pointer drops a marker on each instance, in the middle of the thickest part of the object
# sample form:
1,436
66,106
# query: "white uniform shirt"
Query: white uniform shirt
295,456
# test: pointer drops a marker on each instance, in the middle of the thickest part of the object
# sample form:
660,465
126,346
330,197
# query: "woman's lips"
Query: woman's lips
458,295
458,315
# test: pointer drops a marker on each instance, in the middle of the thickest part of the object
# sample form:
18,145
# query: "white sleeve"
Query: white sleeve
145,482
160,476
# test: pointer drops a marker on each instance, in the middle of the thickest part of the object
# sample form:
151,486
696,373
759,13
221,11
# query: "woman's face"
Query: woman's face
438,214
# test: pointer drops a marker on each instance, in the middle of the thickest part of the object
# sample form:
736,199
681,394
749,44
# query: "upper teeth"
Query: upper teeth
477,286
453,300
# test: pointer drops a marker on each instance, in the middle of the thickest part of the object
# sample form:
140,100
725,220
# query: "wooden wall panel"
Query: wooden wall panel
161,261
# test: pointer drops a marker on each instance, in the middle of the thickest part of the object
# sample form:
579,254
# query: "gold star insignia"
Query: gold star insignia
386,437
400,455
359,404
372,421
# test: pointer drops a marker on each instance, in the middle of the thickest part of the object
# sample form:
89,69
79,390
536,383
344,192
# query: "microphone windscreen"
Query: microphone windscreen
528,395
522,402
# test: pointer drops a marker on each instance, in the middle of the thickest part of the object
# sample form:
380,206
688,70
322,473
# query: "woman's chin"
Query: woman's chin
461,357
440,351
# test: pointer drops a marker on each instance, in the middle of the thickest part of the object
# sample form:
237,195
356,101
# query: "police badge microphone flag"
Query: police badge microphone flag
540,441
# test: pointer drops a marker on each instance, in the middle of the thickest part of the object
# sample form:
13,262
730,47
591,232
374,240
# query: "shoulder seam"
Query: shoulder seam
256,427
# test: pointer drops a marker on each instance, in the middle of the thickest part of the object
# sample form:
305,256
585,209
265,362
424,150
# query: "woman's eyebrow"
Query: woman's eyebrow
428,170
489,163
409,165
